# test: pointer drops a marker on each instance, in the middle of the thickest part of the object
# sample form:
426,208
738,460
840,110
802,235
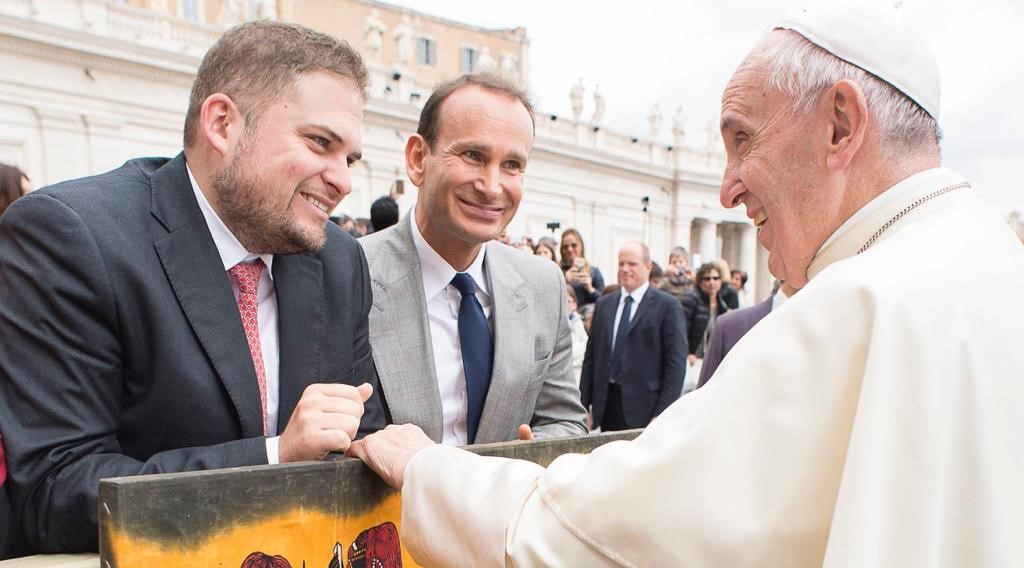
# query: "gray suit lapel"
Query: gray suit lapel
400,332
195,272
513,346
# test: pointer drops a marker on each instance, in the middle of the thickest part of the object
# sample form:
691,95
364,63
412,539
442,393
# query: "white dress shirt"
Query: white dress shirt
778,299
231,253
637,296
443,301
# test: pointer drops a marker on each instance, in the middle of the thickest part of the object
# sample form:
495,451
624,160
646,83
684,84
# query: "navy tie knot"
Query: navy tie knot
464,284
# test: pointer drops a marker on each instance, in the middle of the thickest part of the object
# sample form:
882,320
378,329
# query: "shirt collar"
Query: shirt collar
437,273
637,294
901,188
230,250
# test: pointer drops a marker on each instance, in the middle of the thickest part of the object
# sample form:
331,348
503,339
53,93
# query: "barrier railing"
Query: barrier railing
323,514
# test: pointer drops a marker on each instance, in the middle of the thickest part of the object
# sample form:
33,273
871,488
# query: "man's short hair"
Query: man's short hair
429,126
257,63
679,251
383,213
804,71
656,272
645,251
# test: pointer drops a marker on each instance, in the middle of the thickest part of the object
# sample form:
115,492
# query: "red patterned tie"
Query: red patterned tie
247,277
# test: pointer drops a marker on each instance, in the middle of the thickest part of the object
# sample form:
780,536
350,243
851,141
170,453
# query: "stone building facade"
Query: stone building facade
88,84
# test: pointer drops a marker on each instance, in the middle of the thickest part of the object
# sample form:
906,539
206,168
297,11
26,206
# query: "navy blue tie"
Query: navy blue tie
620,335
477,351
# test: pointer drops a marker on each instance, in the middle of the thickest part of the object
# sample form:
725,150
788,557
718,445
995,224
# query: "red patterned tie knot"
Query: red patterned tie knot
247,276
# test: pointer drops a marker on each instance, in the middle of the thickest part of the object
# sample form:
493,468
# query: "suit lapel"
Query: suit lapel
608,328
513,346
196,274
645,306
298,283
403,351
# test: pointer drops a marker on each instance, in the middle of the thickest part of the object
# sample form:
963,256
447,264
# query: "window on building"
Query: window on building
467,55
190,10
426,51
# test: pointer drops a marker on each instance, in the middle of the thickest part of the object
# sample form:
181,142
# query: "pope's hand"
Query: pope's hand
388,451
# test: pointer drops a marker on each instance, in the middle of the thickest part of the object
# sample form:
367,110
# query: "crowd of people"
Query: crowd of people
202,312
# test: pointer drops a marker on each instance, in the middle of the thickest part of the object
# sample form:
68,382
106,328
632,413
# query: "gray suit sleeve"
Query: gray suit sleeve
61,380
559,411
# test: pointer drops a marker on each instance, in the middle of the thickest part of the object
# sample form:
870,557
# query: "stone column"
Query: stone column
708,240
748,249
763,280
681,237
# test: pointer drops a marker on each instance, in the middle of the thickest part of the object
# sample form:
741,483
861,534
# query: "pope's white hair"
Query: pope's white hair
804,71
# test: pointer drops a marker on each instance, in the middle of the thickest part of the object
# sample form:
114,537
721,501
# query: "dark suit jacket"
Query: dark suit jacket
729,328
654,355
123,350
6,522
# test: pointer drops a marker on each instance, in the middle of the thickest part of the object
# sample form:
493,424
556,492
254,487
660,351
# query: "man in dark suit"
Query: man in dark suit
730,327
6,527
636,355
196,312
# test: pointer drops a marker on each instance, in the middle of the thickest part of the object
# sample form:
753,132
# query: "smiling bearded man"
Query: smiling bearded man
196,312
872,420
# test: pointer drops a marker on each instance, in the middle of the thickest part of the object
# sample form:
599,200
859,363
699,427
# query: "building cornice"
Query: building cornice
66,46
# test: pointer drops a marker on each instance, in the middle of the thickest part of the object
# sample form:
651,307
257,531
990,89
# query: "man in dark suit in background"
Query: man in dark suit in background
636,355
197,312
730,327
6,527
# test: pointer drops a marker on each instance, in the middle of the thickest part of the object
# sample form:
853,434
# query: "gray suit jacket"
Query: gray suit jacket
729,328
532,381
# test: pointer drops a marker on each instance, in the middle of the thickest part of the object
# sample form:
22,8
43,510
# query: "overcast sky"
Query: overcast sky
682,53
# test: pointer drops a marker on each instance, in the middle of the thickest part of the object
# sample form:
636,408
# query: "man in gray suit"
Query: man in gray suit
470,338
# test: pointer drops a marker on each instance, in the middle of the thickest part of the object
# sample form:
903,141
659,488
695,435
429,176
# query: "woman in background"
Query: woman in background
546,250
13,184
701,305
585,279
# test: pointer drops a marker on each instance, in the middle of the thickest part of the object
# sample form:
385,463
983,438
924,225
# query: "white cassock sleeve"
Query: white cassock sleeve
732,462
863,423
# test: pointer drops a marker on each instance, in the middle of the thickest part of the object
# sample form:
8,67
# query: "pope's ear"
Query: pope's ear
220,123
416,152
847,110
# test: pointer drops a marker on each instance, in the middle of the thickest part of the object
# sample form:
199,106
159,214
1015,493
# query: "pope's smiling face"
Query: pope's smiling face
776,168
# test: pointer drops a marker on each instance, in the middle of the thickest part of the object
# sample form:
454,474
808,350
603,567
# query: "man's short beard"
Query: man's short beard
251,215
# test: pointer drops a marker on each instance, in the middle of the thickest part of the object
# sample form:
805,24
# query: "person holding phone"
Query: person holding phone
586,280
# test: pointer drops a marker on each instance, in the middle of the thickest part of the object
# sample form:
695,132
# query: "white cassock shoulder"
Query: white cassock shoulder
856,425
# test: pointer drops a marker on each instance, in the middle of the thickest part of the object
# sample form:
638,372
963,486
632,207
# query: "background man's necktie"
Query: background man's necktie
477,351
620,334
247,277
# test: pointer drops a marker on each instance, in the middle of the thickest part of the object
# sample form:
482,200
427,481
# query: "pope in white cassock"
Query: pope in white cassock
875,419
